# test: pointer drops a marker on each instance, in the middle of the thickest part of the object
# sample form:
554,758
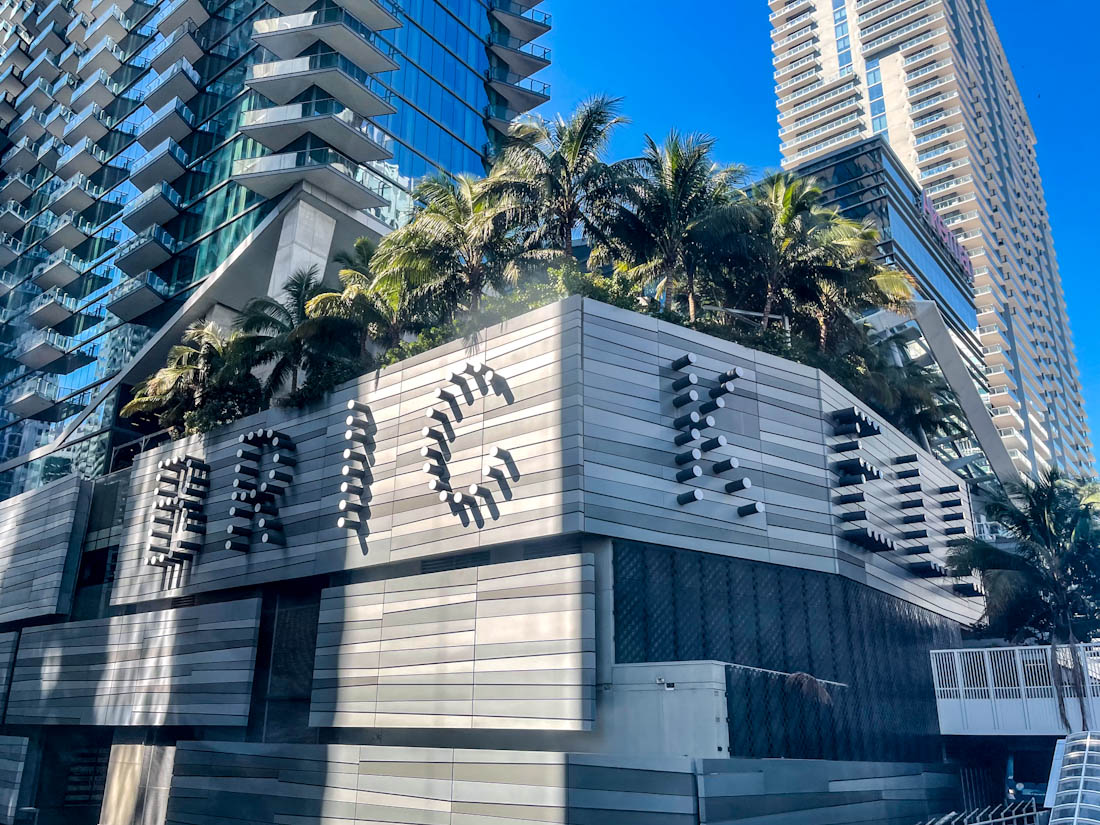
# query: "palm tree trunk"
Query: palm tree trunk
1059,687
690,270
769,299
1080,675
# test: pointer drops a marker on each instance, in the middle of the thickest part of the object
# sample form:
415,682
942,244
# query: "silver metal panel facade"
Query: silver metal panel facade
40,536
499,646
184,666
582,414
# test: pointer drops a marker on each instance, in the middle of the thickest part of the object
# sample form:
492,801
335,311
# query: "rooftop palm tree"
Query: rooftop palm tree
682,213
462,242
558,168
205,357
795,240
379,320
281,334
1046,583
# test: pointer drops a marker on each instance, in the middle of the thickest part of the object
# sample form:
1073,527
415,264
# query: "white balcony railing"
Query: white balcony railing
1009,691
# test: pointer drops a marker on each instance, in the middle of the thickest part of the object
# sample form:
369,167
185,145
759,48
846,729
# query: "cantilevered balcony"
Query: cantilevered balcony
75,194
155,206
82,159
164,162
326,169
50,39
32,397
57,12
58,270
283,80
51,308
57,119
379,15
177,12
137,296
91,123
521,57
44,68
30,125
107,56
23,155
61,90
66,231
147,250
522,94
16,187
179,80
287,37
98,88
13,217
522,22
8,282
7,108
110,23
185,43
333,122
10,82
36,94
15,56
10,249
41,349
69,59
172,120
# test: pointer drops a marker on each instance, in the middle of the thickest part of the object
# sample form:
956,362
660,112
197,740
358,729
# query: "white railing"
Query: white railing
1009,691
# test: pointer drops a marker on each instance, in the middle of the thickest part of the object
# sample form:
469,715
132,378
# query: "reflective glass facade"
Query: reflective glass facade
129,132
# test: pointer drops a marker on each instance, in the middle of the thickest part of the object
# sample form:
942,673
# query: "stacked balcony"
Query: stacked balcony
74,195
185,43
154,207
97,88
50,351
33,397
66,231
146,250
84,158
58,270
164,162
345,130
324,168
13,217
287,37
137,296
180,80
53,308
10,249
36,94
283,80
106,56
177,12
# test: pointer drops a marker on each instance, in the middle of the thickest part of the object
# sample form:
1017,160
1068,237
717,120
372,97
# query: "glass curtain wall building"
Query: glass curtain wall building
932,78
146,144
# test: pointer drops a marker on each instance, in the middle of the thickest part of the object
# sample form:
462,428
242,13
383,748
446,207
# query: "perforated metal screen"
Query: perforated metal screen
849,676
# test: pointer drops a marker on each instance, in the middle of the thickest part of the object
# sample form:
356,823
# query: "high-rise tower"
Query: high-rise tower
167,160
932,77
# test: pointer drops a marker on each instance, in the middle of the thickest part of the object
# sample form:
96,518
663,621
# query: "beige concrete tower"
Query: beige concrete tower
932,76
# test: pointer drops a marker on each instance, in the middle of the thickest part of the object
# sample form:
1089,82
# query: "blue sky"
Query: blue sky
710,70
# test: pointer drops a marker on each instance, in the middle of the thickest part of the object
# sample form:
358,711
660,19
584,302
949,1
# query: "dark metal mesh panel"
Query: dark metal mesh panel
681,605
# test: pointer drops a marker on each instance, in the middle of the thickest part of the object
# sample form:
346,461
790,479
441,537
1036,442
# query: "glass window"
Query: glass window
874,75
845,57
841,29
878,106
878,124
875,92
842,43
